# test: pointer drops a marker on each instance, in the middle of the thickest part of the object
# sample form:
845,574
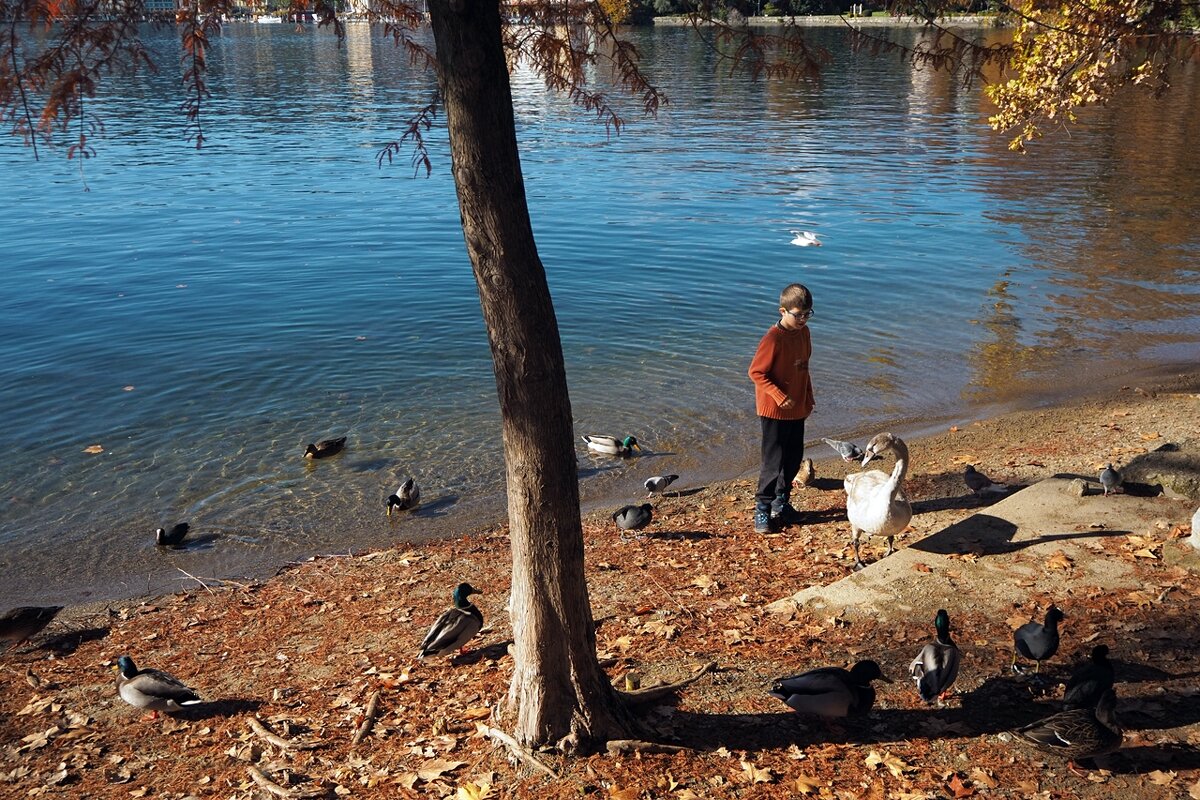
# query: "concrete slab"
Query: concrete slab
1000,556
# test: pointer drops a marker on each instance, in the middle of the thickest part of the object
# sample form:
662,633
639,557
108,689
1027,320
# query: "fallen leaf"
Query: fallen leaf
752,774
920,566
622,794
1160,778
433,769
96,448
983,778
807,785
1059,561
477,712
473,791
1145,552
705,582
959,788
1194,791
1149,437
954,429
894,765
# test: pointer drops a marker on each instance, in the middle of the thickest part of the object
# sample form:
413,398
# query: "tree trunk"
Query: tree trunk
559,693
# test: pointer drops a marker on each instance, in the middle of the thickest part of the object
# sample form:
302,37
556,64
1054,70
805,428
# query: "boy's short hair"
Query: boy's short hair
795,296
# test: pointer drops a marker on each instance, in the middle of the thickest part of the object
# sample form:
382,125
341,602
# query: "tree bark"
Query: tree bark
559,693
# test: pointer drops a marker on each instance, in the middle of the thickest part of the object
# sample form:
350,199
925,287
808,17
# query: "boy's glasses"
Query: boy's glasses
802,315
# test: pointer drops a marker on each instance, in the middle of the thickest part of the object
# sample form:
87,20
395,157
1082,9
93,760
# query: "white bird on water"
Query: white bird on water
805,239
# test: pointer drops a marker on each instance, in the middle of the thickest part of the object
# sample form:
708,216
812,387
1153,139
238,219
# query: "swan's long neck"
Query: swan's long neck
901,467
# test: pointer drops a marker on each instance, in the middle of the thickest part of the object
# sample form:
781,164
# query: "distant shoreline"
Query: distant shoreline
838,21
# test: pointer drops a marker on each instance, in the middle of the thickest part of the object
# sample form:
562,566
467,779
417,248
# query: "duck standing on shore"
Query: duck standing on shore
1079,733
830,691
1090,680
1037,642
152,689
19,625
455,627
936,667
875,501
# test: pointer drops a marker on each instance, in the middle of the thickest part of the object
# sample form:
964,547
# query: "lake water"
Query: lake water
201,316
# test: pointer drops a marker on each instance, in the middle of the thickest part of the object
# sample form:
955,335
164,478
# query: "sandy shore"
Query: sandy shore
305,650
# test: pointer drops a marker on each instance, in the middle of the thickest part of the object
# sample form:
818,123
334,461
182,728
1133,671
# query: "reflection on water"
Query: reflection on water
201,316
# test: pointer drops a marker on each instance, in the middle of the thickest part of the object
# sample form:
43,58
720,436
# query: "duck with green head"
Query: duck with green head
456,626
152,689
936,667
611,445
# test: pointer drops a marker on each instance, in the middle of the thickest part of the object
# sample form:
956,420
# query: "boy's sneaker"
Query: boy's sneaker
786,515
762,522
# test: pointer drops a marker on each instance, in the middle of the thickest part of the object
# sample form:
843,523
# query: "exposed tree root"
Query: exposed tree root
516,749
269,785
263,732
619,746
368,721
654,693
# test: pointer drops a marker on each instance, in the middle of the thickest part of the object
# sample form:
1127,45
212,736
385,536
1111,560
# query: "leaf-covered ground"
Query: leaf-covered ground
288,666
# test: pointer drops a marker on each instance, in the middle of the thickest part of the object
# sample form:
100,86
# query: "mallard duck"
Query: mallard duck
1090,680
875,501
830,691
805,239
455,627
21,624
406,498
659,484
633,518
1037,642
325,448
152,689
173,537
979,483
611,445
1110,479
849,451
1079,733
936,666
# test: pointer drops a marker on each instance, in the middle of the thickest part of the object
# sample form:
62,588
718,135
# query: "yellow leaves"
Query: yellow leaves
477,712
623,794
93,449
434,768
705,583
38,740
657,627
752,774
1139,599
1059,560
894,765
474,791
807,785
1194,791
1160,778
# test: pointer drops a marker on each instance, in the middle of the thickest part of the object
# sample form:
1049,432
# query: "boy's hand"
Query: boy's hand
787,403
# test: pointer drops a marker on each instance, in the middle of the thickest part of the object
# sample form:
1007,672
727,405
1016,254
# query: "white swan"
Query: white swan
1194,539
805,239
875,501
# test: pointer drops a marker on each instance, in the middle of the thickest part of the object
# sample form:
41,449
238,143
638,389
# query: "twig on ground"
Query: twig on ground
515,747
200,581
643,696
368,721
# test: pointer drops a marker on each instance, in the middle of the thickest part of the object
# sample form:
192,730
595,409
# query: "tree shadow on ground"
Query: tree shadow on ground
691,536
1148,758
985,534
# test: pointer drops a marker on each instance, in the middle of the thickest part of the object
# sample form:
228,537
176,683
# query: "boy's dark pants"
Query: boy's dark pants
782,453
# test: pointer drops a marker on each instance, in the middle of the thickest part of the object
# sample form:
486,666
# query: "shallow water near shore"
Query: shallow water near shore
202,315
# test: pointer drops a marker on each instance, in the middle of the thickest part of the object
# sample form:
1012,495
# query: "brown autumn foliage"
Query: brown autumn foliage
289,666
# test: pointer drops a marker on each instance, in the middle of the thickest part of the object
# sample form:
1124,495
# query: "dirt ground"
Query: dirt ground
288,666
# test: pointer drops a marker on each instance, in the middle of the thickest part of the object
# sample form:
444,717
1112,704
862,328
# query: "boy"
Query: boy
783,397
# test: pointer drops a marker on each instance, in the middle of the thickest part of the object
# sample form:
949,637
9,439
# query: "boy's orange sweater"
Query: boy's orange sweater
779,369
